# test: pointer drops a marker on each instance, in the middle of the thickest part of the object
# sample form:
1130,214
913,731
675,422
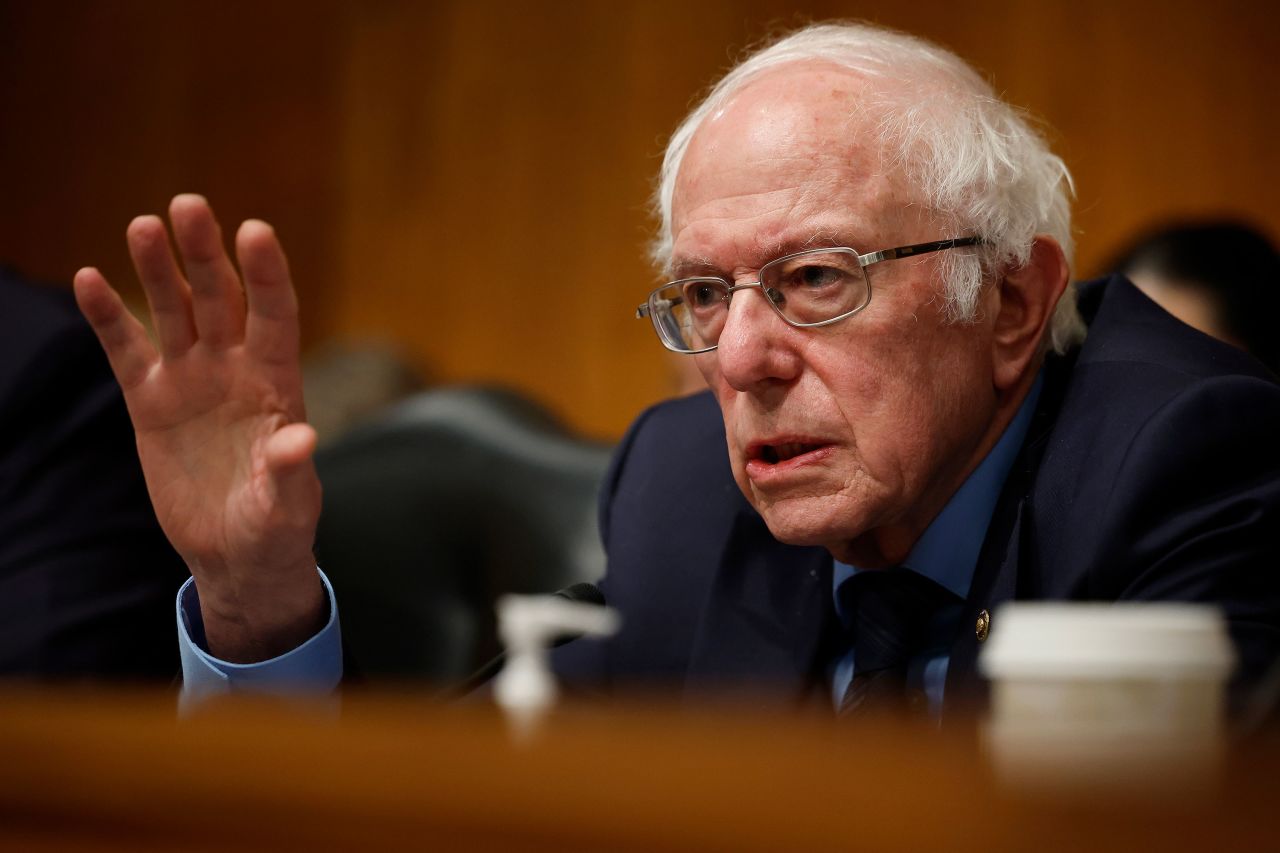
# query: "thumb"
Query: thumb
290,447
288,456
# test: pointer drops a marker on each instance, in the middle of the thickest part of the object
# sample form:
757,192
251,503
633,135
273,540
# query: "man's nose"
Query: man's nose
756,345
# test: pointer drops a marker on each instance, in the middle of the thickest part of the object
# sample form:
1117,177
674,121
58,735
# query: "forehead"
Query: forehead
792,160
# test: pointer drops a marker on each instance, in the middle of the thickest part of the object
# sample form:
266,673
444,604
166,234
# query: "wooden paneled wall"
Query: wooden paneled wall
469,178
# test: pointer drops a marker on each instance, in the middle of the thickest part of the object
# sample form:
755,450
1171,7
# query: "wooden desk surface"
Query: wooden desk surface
118,771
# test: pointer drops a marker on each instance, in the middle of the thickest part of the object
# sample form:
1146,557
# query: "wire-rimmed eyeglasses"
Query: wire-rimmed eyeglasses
815,287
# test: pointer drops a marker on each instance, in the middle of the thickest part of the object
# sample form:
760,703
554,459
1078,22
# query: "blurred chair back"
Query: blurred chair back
452,498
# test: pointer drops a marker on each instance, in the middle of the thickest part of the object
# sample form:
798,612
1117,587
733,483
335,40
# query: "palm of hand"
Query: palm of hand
204,427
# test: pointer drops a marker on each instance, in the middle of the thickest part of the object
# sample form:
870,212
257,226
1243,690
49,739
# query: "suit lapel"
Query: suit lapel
995,581
767,613
1006,559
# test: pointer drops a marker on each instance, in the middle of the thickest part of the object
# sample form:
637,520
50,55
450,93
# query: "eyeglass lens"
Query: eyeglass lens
810,288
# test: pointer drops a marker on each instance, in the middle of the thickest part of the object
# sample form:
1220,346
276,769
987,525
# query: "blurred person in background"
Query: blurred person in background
349,383
86,576
1220,277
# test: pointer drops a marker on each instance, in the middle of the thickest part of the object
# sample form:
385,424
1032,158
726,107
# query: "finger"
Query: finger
293,482
290,448
128,348
216,298
271,330
167,292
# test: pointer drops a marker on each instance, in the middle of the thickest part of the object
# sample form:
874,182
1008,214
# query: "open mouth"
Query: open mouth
775,453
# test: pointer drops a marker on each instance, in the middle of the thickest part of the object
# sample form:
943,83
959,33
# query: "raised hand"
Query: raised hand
221,430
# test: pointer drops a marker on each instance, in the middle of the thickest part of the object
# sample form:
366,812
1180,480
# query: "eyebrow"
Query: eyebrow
693,268
702,265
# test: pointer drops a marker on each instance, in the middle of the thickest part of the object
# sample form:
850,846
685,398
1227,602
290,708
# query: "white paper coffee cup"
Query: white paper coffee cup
1119,696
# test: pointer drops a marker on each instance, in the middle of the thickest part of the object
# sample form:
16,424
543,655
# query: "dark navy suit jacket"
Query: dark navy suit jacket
1151,471
87,578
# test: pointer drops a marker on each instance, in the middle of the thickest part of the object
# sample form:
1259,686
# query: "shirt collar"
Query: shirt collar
947,551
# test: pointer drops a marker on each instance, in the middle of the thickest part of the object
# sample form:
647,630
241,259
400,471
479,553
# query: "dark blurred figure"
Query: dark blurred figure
1223,278
87,579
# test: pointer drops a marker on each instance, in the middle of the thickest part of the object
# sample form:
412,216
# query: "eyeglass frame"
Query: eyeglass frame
647,308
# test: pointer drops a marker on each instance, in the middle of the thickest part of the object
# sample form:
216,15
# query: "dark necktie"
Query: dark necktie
891,613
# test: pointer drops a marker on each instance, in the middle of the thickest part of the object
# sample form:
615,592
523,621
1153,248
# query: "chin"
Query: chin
809,521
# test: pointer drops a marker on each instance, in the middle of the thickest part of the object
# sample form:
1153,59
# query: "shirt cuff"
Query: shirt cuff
313,667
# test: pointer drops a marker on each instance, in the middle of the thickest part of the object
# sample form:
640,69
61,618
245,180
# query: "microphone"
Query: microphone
582,593
587,593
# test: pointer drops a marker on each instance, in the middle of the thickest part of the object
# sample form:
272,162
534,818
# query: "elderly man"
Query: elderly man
869,254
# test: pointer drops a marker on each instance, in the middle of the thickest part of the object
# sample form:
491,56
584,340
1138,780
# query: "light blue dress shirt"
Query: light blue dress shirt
314,666
947,553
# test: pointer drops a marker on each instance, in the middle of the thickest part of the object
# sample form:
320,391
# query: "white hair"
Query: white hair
975,161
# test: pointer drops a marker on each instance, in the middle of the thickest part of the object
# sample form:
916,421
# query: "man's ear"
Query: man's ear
1027,297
